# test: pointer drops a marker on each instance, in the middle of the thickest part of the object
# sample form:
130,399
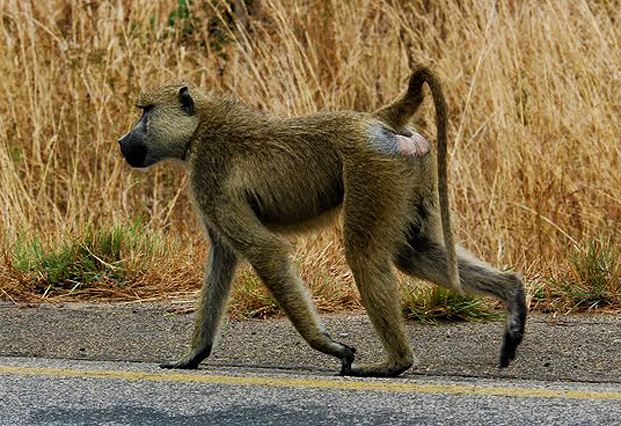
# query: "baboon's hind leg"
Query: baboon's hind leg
381,299
371,215
426,259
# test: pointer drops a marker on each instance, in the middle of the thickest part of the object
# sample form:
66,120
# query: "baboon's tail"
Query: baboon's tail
397,115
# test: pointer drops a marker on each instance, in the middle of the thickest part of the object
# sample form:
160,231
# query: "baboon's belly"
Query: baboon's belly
297,197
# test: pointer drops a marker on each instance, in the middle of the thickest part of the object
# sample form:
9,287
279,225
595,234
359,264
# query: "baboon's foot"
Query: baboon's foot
516,321
189,362
381,369
510,342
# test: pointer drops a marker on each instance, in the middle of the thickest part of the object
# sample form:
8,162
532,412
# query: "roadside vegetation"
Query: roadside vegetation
535,122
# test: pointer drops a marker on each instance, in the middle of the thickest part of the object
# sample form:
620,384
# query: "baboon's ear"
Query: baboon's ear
187,103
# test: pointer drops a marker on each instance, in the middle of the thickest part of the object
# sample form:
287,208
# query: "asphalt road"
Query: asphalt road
98,365
58,392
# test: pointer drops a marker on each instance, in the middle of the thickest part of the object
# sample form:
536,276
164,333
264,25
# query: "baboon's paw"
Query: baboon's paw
183,364
189,362
347,359
509,345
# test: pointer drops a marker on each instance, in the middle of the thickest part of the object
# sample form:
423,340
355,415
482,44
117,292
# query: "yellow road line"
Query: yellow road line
335,384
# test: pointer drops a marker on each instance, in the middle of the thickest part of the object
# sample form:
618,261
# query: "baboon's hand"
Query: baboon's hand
347,360
189,362
182,364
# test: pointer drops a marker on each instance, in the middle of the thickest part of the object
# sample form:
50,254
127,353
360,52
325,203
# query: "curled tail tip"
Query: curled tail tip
418,74
422,69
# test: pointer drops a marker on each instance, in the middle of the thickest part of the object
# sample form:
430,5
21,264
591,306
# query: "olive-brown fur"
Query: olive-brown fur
253,176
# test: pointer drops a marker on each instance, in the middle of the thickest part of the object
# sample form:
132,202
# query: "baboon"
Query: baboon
253,176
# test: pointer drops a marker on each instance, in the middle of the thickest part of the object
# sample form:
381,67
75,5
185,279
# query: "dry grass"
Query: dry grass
533,89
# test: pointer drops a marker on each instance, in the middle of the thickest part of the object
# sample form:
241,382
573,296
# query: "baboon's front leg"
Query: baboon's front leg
295,300
269,256
212,305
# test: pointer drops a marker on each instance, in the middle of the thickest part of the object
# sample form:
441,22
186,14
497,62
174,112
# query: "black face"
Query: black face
133,144
134,153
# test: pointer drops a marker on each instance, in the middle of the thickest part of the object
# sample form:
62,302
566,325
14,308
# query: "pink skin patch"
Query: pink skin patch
415,145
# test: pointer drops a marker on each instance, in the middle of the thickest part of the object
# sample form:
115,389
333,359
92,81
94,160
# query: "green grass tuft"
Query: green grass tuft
436,304
597,277
250,298
96,256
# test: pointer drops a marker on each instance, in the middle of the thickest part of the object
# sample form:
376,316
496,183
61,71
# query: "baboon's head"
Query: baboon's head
165,128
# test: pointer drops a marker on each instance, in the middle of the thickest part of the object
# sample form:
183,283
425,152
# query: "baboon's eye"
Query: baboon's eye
145,108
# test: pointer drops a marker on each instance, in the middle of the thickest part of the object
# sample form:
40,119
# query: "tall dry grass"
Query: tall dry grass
533,90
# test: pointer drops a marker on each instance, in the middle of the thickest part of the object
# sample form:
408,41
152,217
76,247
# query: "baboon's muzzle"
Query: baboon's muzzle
133,151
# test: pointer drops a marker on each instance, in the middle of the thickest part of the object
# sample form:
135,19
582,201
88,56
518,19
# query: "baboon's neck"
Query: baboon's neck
230,113
229,122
